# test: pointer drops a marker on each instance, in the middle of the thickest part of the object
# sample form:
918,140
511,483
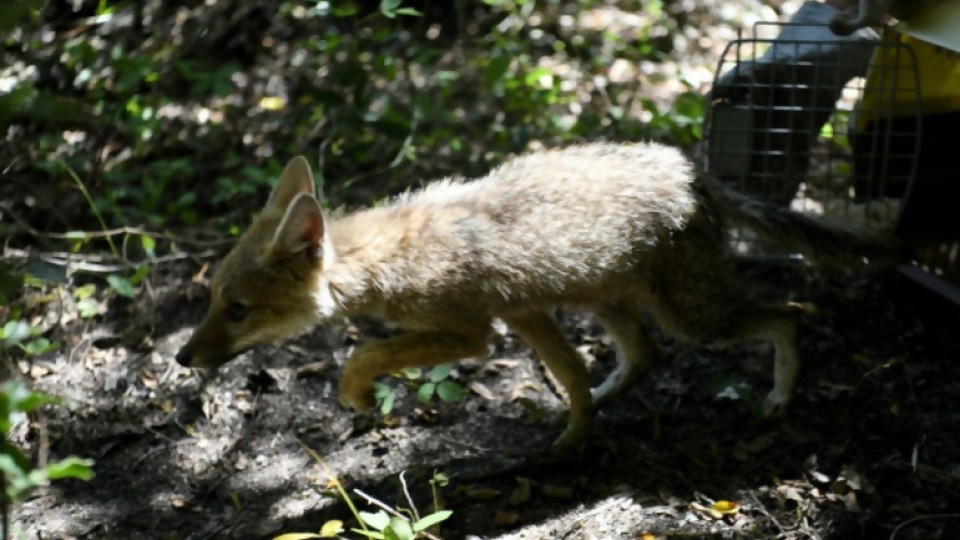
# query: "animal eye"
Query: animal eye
237,311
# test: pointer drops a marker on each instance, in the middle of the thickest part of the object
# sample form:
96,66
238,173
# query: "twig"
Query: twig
43,440
89,235
921,518
93,207
763,510
406,493
376,502
76,262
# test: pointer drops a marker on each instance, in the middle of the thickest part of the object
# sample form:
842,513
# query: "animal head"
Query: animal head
265,288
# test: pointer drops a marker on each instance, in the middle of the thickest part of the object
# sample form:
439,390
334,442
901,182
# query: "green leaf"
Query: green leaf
412,373
301,536
449,391
141,272
378,521
386,406
411,12
399,529
497,68
149,246
331,529
71,467
429,521
389,7
344,10
122,285
381,390
425,392
440,372
369,534
15,331
14,13
39,346
86,291
88,307
12,461
10,283
15,397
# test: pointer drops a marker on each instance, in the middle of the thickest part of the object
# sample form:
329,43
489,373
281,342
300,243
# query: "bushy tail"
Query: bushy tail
823,239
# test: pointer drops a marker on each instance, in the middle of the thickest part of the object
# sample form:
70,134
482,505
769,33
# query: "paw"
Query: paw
615,385
775,405
356,395
602,396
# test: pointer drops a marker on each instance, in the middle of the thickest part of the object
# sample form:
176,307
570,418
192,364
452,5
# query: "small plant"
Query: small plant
19,333
437,384
18,474
387,523
398,527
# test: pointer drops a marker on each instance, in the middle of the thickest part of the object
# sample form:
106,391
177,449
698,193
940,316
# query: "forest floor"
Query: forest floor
870,448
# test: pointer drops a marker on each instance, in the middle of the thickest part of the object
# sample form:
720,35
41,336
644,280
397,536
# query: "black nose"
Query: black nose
183,358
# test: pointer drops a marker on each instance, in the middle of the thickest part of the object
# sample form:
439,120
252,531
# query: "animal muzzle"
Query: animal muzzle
188,359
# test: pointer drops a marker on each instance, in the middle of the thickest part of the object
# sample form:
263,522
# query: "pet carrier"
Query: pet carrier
859,128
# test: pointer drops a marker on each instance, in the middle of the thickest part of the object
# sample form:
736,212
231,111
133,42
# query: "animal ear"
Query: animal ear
295,179
301,228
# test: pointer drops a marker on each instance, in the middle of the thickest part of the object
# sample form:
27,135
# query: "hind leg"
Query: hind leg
779,326
721,311
637,352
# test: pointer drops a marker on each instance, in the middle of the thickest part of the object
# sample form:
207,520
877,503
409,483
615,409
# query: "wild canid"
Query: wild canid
620,229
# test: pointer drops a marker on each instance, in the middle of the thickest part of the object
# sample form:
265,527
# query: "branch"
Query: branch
81,263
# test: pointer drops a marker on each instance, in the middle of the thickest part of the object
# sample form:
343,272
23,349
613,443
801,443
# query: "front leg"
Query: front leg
380,357
539,330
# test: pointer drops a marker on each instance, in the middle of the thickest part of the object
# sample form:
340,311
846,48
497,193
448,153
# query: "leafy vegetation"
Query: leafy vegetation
19,475
435,382
387,523
187,132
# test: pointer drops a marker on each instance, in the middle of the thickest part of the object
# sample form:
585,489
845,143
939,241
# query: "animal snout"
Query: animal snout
183,358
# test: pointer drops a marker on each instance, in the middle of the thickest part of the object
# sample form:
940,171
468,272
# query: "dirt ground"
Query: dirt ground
870,449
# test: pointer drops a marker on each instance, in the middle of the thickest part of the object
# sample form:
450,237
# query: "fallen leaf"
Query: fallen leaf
481,494
725,507
311,370
147,378
331,528
38,370
705,511
501,363
851,503
790,493
481,390
521,493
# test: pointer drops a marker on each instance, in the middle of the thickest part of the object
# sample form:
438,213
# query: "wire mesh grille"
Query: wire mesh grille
825,126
